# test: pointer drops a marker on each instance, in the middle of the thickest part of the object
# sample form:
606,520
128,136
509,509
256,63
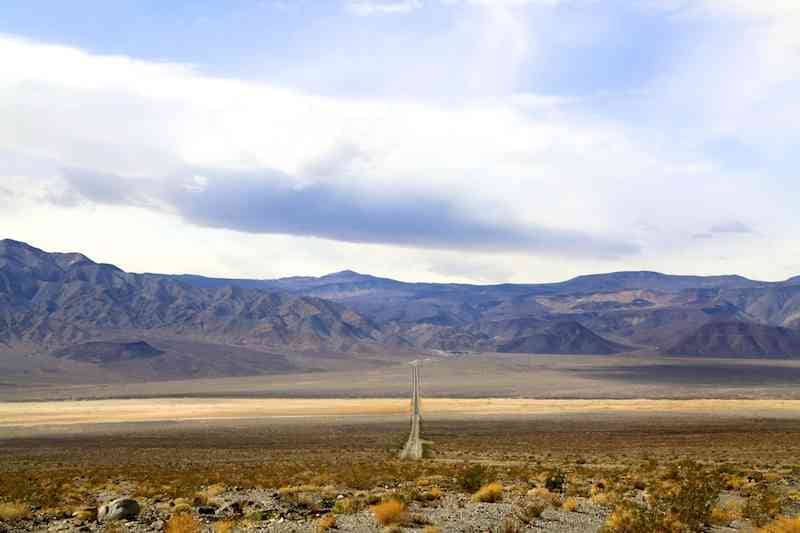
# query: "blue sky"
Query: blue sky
454,140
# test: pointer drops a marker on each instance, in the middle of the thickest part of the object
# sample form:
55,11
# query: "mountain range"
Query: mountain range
68,306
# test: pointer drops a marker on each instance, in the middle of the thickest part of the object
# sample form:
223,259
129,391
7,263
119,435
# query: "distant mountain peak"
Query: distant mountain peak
345,274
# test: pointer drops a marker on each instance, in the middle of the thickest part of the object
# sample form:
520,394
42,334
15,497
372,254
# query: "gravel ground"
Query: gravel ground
269,513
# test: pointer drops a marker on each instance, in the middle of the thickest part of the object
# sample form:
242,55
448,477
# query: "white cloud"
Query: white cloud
382,7
499,155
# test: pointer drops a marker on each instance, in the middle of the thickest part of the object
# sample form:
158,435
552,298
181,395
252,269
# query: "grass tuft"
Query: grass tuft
183,523
782,525
14,511
390,512
490,493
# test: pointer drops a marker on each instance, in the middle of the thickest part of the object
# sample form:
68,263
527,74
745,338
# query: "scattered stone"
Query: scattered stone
120,509
231,509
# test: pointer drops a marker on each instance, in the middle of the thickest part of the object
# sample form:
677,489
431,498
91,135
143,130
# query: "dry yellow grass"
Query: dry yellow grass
390,512
431,529
31,414
722,515
13,511
489,493
183,523
225,526
782,525
570,505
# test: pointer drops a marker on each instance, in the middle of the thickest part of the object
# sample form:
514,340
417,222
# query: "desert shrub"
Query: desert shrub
763,504
490,493
684,503
555,481
345,506
542,494
722,515
528,512
183,523
472,478
13,511
602,499
630,517
390,512
570,505
326,522
782,525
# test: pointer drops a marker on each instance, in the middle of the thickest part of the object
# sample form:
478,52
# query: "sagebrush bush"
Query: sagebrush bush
489,493
472,478
528,512
763,504
683,502
722,515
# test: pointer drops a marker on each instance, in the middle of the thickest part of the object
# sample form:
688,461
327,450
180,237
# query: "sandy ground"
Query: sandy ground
33,414
485,376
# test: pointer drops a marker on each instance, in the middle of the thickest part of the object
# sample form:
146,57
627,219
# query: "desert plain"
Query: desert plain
556,443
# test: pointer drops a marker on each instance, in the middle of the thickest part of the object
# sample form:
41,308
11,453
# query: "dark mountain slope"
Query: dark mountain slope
561,338
60,299
739,339
108,351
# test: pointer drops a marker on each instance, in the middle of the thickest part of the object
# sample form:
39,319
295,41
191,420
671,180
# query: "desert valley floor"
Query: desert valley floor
567,439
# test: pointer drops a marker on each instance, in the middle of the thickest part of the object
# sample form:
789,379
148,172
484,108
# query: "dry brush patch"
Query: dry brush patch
609,470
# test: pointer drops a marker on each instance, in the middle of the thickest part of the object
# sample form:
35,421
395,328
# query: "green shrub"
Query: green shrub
763,504
555,481
682,504
472,478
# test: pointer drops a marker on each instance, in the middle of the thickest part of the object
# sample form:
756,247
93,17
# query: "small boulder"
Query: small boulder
120,509
231,509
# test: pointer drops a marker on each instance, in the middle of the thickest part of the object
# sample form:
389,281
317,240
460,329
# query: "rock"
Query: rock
86,514
231,509
120,509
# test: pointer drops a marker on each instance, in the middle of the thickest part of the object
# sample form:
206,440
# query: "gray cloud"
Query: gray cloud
731,226
272,202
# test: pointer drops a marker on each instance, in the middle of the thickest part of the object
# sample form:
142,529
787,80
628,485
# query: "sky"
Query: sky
480,141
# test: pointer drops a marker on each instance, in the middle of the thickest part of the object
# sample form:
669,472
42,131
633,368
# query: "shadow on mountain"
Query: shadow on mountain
697,374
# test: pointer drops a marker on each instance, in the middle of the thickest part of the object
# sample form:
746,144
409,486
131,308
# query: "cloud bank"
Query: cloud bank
272,202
